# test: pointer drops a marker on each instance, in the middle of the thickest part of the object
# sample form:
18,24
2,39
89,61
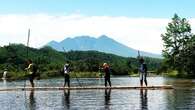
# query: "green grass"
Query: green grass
173,73
134,75
84,74
176,74
148,75
16,75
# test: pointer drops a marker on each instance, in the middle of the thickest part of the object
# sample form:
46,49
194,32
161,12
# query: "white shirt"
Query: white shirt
65,69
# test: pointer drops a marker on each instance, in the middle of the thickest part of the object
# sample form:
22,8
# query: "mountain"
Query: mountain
102,44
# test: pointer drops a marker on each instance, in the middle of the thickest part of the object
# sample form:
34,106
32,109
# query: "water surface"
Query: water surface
180,98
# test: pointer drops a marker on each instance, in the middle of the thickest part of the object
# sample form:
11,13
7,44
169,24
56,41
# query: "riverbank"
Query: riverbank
55,74
176,74
148,75
50,74
171,74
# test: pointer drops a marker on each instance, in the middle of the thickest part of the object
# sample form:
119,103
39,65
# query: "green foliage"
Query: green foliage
179,46
50,62
188,57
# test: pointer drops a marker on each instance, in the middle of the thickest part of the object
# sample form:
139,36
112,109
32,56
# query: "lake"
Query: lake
180,98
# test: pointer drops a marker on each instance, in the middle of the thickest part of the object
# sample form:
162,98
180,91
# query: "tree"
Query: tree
188,57
178,35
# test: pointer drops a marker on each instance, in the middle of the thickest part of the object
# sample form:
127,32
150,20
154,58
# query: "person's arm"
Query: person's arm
110,71
29,66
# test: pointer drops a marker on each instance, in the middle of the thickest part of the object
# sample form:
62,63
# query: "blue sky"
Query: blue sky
130,8
135,23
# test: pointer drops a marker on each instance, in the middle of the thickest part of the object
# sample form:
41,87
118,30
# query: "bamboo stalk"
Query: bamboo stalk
154,87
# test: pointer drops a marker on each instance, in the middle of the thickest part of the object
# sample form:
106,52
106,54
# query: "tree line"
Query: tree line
14,56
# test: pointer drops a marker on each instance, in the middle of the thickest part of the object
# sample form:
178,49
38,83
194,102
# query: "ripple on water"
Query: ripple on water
183,97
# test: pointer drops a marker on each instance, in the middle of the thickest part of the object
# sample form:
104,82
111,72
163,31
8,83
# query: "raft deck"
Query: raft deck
87,88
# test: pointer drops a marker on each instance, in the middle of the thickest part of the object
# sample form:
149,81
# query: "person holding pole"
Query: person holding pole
4,74
66,74
143,72
31,71
107,74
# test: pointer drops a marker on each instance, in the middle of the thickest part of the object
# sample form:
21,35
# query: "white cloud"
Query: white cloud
138,33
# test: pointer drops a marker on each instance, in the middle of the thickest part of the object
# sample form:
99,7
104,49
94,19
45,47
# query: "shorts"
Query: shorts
31,77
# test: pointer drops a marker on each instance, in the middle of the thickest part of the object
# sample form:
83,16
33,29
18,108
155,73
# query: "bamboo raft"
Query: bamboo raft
87,88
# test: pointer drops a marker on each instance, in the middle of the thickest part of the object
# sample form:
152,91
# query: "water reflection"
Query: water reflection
107,99
143,99
32,102
4,82
66,99
180,98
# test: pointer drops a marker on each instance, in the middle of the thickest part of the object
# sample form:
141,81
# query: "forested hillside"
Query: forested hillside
14,56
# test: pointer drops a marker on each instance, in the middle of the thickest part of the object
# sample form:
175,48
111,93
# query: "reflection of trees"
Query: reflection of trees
66,99
107,98
32,103
143,99
180,99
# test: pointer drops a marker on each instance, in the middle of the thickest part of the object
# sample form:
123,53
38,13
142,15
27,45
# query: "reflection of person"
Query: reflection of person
4,82
32,103
107,74
143,72
66,99
107,98
66,75
31,71
144,99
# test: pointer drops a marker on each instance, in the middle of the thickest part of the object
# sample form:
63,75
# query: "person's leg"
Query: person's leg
65,80
141,82
109,82
68,80
141,79
31,80
145,80
105,82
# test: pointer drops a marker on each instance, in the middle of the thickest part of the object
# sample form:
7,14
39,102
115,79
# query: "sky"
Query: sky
135,23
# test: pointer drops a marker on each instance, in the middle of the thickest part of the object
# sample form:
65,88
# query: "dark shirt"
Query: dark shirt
107,71
143,68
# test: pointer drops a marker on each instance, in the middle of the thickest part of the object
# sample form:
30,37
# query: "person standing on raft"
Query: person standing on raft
107,74
66,74
31,71
143,72
4,74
